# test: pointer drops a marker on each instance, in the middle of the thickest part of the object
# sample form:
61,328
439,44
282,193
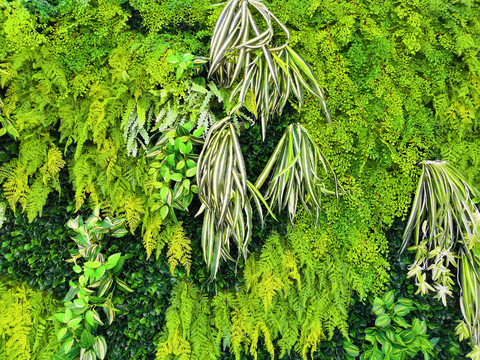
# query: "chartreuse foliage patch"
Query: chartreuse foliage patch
26,328
297,292
89,88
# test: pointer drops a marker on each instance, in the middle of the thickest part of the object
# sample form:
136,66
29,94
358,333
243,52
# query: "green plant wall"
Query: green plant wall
402,82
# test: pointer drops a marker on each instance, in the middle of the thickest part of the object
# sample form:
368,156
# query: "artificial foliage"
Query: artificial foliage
294,163
392,336
296,294
26,328
102,168
444,221
94,289
179,247
269,73
36,254
82,85
226,194
172,176
364,147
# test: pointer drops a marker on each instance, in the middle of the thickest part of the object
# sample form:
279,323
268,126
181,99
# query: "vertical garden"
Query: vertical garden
248,179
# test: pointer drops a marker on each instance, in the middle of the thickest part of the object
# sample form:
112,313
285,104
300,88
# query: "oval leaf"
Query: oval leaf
382,320
100,347
87,339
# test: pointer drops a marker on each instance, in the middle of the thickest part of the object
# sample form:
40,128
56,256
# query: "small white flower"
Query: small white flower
415,269
442,292
423,286
450,255
438,270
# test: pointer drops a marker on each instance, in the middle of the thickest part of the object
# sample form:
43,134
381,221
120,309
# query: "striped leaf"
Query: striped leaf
388,299
96,317
123,286
88,355
382,320
293,173
100,347
225,195
401,310
266,74
105,285
351,349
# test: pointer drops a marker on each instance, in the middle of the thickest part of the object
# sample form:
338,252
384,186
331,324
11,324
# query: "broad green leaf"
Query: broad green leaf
67,346
382,320
62,334
105,286
74,322
390,335
109,313
408,336
351,349
100,347
400,321
79,302
61,317
99,272
401,310
119,265
89,317
164,211
87,339
191,172
112,261
388,299
387,347
405,301
92,264
123,286
96,317
377,309
180,165
198,132
176,177
88,355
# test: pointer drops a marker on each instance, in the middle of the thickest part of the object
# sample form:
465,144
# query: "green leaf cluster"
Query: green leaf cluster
70,88
393,337
294,163
93,290
401,83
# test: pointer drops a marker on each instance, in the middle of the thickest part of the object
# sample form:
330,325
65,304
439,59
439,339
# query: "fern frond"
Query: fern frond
36,199
151,231
179,249
15,187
